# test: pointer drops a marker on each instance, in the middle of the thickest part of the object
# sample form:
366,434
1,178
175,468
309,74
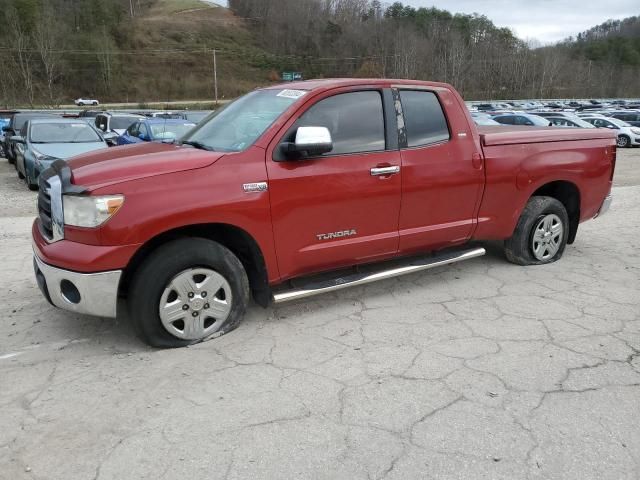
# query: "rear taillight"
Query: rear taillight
613,161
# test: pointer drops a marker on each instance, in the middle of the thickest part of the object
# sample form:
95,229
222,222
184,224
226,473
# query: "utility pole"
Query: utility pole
215,76
131,7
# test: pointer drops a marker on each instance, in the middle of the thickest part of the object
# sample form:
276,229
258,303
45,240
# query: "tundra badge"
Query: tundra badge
340,234
255,187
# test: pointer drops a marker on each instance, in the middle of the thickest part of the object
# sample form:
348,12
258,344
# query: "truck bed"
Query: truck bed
511,134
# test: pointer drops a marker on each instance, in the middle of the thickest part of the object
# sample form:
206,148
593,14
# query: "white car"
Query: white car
81,102
628,135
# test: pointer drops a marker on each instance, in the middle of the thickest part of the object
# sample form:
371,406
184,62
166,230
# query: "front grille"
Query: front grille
50,208
44,209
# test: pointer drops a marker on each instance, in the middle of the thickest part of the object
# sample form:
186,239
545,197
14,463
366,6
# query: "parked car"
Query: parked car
5,119
521,119
301,178
116,122
156,129
632,118
569,122
628,135
484,107
43,141
16,123
81,102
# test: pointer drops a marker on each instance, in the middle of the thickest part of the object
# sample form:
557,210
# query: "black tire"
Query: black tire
519,248
31,185
158,270
20,175
624,141
95,103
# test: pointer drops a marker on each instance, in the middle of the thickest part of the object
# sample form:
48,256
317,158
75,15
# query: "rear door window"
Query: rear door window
424,118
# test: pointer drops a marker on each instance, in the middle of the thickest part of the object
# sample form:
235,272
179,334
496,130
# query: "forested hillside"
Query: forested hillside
154,50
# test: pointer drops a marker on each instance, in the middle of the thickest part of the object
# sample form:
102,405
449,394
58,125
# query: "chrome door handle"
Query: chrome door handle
378,171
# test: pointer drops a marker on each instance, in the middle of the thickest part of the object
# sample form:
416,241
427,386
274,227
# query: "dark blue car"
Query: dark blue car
155,129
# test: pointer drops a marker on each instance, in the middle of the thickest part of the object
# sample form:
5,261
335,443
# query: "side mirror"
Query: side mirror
7,129
309,142
17,139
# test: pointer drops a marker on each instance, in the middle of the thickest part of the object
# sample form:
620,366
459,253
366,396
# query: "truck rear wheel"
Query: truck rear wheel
541,234
187,291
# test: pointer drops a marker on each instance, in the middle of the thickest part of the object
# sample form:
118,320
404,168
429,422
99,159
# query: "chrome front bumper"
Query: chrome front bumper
605,206
87,293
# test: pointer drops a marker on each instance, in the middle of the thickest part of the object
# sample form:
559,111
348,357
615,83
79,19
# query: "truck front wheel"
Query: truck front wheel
187,291
541,234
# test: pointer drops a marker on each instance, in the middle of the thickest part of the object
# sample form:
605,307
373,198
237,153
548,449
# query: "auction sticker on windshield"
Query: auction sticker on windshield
291,93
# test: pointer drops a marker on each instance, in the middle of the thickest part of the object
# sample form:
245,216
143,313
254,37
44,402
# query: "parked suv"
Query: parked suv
81,102
116,122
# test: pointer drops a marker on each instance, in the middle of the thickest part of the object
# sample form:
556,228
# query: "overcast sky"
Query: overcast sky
545,20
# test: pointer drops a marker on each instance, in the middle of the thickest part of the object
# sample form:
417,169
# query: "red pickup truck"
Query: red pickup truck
304,188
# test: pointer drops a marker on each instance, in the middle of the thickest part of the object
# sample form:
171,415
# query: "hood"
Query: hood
67,150
131,162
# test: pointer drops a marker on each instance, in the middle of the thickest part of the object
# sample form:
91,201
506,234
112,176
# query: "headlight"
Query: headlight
636,131
41,157
88,211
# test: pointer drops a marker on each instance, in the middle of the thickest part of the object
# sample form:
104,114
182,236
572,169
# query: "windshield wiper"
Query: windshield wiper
195,144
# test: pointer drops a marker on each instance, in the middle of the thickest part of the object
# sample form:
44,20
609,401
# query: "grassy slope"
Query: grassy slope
195,27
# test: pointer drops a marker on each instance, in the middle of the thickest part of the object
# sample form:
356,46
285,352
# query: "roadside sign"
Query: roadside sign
291,76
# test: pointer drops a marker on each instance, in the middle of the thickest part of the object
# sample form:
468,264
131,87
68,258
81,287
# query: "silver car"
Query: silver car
43,141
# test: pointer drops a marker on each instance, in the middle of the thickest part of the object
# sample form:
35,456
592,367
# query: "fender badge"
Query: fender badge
255,187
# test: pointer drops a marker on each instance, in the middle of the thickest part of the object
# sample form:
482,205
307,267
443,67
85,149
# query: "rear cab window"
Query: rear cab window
424,118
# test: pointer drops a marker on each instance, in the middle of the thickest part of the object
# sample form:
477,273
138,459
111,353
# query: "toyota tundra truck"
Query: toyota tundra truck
301,189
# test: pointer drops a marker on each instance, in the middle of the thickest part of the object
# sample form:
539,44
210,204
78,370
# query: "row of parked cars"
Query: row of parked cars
32,141
626,122
566,105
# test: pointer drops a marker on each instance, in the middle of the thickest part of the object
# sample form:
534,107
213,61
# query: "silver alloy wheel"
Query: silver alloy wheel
622,141
547,237
195,304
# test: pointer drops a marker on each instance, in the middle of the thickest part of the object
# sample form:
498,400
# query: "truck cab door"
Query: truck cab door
442,171
339,208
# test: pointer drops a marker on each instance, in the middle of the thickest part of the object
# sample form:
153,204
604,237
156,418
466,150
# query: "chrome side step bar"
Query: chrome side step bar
360,278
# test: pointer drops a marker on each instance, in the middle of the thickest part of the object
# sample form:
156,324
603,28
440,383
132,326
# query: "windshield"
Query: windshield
172,130
78,132
241,123
122,123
